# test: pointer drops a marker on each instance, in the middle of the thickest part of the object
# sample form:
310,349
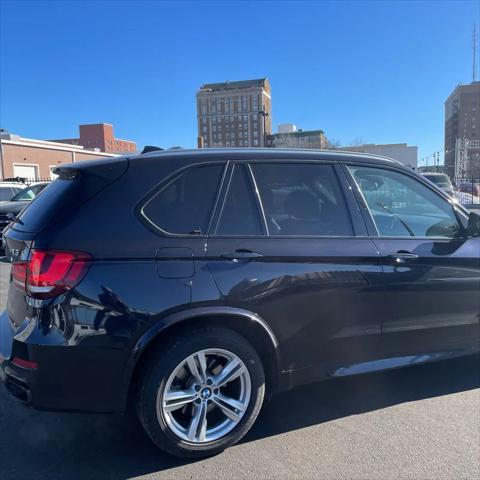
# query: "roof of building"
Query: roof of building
299,133
259,82
12,139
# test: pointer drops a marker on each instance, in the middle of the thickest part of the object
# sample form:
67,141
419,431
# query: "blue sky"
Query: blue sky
376,71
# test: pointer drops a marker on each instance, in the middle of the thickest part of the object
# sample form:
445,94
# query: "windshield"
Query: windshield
440,180
28,194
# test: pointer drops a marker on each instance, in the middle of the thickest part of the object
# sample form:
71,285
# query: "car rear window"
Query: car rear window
185,205
43,207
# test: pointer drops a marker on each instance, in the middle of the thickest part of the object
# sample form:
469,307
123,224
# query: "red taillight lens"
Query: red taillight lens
20,362
50,273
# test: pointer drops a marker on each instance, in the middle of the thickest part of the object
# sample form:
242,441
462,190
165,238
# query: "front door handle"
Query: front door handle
402,256
241,254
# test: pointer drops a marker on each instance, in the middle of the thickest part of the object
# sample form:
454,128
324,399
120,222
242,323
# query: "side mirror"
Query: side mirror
473,227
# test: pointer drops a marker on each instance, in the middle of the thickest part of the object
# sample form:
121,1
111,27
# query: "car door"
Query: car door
286,245
431,279
181,210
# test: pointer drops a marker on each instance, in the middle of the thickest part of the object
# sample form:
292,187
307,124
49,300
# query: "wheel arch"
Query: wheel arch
246,323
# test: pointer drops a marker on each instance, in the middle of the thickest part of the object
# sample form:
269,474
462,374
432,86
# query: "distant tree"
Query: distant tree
356,142
332,144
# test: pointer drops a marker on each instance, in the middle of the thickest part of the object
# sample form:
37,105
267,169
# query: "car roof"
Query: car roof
435,174
259,154
12,184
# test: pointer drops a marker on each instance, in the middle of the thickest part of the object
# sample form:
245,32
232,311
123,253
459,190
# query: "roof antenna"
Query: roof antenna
150,148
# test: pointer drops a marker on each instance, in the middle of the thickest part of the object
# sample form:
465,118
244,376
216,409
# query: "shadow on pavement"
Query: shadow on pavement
58,445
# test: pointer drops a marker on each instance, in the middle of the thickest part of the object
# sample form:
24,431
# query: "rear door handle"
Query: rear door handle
402,256
241,254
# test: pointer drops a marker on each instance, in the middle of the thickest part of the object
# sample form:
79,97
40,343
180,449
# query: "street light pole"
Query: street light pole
264,115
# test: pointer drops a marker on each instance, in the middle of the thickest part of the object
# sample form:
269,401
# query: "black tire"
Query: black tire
161,365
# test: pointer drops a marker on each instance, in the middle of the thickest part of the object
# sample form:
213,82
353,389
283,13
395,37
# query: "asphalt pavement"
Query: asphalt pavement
422,422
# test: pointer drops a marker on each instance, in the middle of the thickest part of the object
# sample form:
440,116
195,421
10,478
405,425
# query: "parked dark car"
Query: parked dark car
441,180
190,284
18,202
9,189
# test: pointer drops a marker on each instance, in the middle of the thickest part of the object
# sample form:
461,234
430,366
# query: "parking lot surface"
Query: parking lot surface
417,423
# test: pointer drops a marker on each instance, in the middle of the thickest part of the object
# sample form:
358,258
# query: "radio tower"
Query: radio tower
474,45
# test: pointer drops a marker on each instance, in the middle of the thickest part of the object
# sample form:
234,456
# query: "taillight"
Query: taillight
49,273
20,362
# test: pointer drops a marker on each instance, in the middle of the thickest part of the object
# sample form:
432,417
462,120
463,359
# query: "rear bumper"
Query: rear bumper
67,378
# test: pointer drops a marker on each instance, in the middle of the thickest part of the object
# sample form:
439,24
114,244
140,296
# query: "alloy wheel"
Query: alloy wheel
206,396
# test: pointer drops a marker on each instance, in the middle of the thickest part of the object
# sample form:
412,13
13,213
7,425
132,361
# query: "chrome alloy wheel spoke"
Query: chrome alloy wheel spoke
197,364
232,408
175,399
230,372
198,425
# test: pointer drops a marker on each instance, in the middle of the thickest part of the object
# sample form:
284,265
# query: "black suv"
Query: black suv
190,284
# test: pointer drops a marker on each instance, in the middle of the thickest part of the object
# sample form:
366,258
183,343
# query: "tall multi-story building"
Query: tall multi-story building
462,129
100,136
234,114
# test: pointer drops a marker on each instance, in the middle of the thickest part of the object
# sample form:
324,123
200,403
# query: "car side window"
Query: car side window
185,205
402,206
302,199
239,214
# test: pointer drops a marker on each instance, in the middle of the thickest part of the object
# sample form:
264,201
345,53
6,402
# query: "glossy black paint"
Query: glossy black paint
316,306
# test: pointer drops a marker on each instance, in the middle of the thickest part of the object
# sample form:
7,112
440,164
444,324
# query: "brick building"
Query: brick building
234,114
100,135
289,136
33,159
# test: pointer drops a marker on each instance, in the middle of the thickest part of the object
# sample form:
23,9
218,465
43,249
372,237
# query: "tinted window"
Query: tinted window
47,206
240,214
28,193
302,199
402,206
185,205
